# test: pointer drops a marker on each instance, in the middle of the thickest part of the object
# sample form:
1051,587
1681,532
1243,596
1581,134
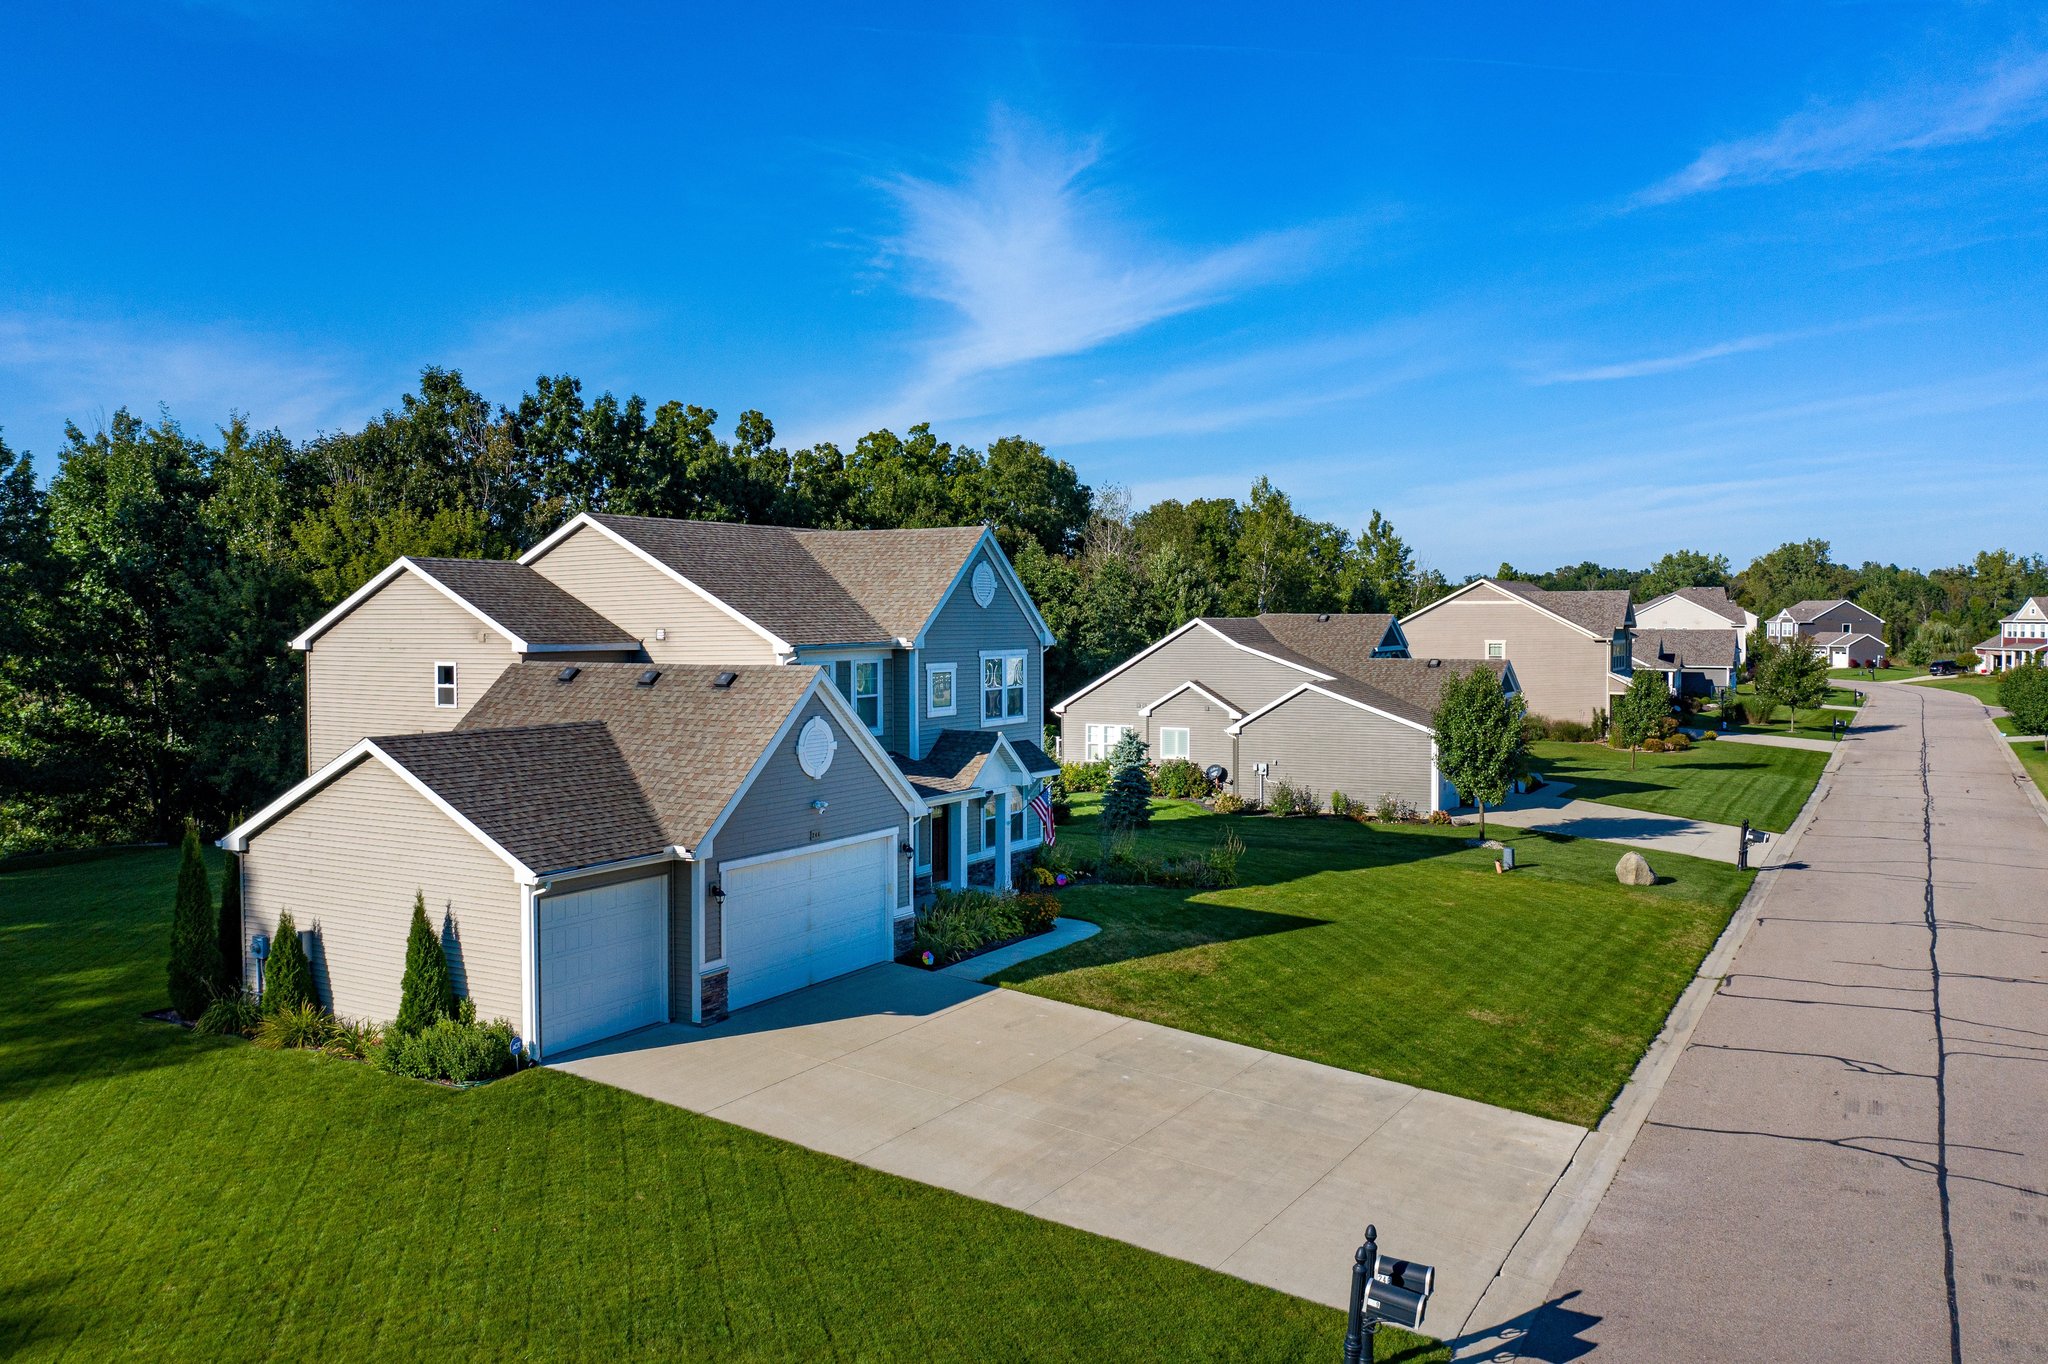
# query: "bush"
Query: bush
1678,743
1180,779
453,1049
287,975
426,993
1392,809
230,1015
1439,816
1075,777
1221,861
1292,798
1653,745
352,1038
959,922
1340,804
1070,858
1571,731
2024,694
294,1025
195,945
1035,913
1229,803
228,930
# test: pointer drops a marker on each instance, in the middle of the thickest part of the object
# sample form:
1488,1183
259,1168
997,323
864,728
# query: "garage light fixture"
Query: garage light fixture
717,891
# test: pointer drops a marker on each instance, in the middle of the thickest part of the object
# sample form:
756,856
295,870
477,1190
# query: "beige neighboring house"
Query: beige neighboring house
1841,631
2022,639
656,769
1573,652
1698,608
1331,702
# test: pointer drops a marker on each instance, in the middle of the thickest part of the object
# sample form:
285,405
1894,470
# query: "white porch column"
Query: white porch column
956,845
1002,800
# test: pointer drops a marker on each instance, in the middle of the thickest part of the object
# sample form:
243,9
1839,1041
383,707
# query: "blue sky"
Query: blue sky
1544,287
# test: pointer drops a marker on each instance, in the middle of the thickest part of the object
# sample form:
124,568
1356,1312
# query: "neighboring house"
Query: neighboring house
1694,662
1848,635
2022,638
1697,608
1572,651
622,797
1332,702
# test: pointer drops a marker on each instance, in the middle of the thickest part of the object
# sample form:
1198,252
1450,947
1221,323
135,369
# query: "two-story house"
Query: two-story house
1695,636
2022,638
655,769
1573,652
1846,634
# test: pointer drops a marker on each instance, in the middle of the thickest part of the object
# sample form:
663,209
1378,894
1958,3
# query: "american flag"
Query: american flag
1041,805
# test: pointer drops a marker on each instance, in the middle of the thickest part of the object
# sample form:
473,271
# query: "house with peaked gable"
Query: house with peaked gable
1573,652
1698,608
2022,639
655,770
1844,633
1331,702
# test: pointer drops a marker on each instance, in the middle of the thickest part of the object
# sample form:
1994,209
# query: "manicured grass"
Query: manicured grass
1810,724
1719,782
2007,725
1400,952
1855,675
2035,760
1985,689
166,1196
1843,696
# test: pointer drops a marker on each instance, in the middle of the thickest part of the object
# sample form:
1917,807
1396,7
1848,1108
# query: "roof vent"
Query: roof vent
1436,663
724,680
1324,618
647,678
568,674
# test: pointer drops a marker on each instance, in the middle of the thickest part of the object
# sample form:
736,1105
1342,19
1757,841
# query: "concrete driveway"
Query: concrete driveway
1552,809
1260,1165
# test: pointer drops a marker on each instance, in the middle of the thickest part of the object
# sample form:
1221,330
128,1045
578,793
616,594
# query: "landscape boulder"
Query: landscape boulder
1634,870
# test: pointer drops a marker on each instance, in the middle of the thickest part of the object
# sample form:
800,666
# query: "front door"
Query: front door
942,844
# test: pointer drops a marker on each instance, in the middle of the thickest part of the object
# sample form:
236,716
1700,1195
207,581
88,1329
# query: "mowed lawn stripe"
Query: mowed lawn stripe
1721,783
175,1197
1400,952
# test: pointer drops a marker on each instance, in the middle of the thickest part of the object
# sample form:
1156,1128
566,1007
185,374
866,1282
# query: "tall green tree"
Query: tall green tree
1386,569
228,929
1794,676
1683,568
287,972
1797,571
1639,712
1127,796
1481,738
426,992
194,968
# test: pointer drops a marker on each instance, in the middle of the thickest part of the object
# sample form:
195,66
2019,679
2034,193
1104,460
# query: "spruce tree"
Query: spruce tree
195,952
1127,799
228,935
287,975
427,992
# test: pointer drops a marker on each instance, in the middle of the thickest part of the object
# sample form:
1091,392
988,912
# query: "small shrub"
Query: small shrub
1439,816
458,1051
427,990
1228,803
1393,809
230,1015
353,1038
1180,779
287,975
1678,743
1570,731
958,922
2023,691
1077,777
1340,804
1283,798
1035,913
1070,858
294,1025
1221,861
1653,745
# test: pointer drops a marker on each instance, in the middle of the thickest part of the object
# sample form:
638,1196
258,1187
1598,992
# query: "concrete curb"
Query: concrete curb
1522,1285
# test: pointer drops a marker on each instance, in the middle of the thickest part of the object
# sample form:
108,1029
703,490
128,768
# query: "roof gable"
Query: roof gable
1597,613
530,613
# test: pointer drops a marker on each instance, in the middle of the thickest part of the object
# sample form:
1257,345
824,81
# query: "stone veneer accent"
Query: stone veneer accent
982,873
711,1000
906,933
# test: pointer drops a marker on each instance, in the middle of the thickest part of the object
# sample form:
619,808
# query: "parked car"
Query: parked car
1943,667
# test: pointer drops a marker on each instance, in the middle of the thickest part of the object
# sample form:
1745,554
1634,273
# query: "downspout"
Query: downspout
529,973
913,703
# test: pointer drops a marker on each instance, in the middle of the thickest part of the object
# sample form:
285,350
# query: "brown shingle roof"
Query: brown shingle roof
953,764
1408,687
686,743
1253,634
811,586
1338,640
1341,649
524,602
1601,610
1686,648
554,796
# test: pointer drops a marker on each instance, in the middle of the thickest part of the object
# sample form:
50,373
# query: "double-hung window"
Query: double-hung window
991,811
938,689
1002,687
1173,742
860,681
444,685
1099,739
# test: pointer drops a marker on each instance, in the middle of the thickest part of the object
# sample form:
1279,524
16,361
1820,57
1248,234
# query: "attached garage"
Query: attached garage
797,917
603,961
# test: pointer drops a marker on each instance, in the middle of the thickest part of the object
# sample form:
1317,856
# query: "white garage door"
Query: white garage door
603,962
793,919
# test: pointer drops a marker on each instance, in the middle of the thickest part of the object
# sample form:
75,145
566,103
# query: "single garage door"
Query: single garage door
793,919
603,962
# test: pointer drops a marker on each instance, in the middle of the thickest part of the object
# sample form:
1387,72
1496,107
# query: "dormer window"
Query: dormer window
444,686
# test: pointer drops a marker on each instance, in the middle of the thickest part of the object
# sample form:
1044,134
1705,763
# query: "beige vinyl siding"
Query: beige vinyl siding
1246,680
1207,724
372,672
959,634
1563,672
775,815
641,599
346,863
1330,745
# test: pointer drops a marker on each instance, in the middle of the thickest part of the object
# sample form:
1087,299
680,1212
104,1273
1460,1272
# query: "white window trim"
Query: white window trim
1023,656
1187,742
1493,644
881,667
952,672
454,685
999,806
1094,752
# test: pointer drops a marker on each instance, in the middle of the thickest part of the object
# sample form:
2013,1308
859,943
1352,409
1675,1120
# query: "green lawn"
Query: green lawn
2035,761
1719,782
165,1196
1400,952
1985,689
1855,675
1843,696
1811,724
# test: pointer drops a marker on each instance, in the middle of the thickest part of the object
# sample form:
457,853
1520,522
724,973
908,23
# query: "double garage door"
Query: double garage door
795,918
603,962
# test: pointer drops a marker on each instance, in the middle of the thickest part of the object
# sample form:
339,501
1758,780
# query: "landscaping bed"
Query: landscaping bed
1399,951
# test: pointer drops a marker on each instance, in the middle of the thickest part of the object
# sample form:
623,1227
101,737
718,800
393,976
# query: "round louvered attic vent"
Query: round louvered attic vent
815,746
984,584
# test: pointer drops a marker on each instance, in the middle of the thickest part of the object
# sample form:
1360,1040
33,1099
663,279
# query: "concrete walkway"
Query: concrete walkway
1256,1164
1850,1159
1065,933
1551,809
2022,738
1778,741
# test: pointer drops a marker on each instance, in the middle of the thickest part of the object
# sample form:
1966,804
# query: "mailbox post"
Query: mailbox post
1383,1289
1742,849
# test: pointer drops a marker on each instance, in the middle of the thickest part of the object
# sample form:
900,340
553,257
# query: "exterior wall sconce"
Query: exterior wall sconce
717,891
819,805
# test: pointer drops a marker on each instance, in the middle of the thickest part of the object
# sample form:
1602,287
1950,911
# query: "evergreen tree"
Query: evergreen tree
1127,799
195,952
1481,742
287,975
228,930
426,994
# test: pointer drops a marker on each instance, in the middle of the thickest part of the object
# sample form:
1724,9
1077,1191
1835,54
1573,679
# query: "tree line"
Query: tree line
149,592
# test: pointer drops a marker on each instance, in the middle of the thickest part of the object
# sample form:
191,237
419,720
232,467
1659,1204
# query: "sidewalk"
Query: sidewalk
1551,810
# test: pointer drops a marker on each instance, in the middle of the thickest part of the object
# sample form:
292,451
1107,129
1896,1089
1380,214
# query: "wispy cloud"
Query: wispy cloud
1666,364
2009,95
1037,260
